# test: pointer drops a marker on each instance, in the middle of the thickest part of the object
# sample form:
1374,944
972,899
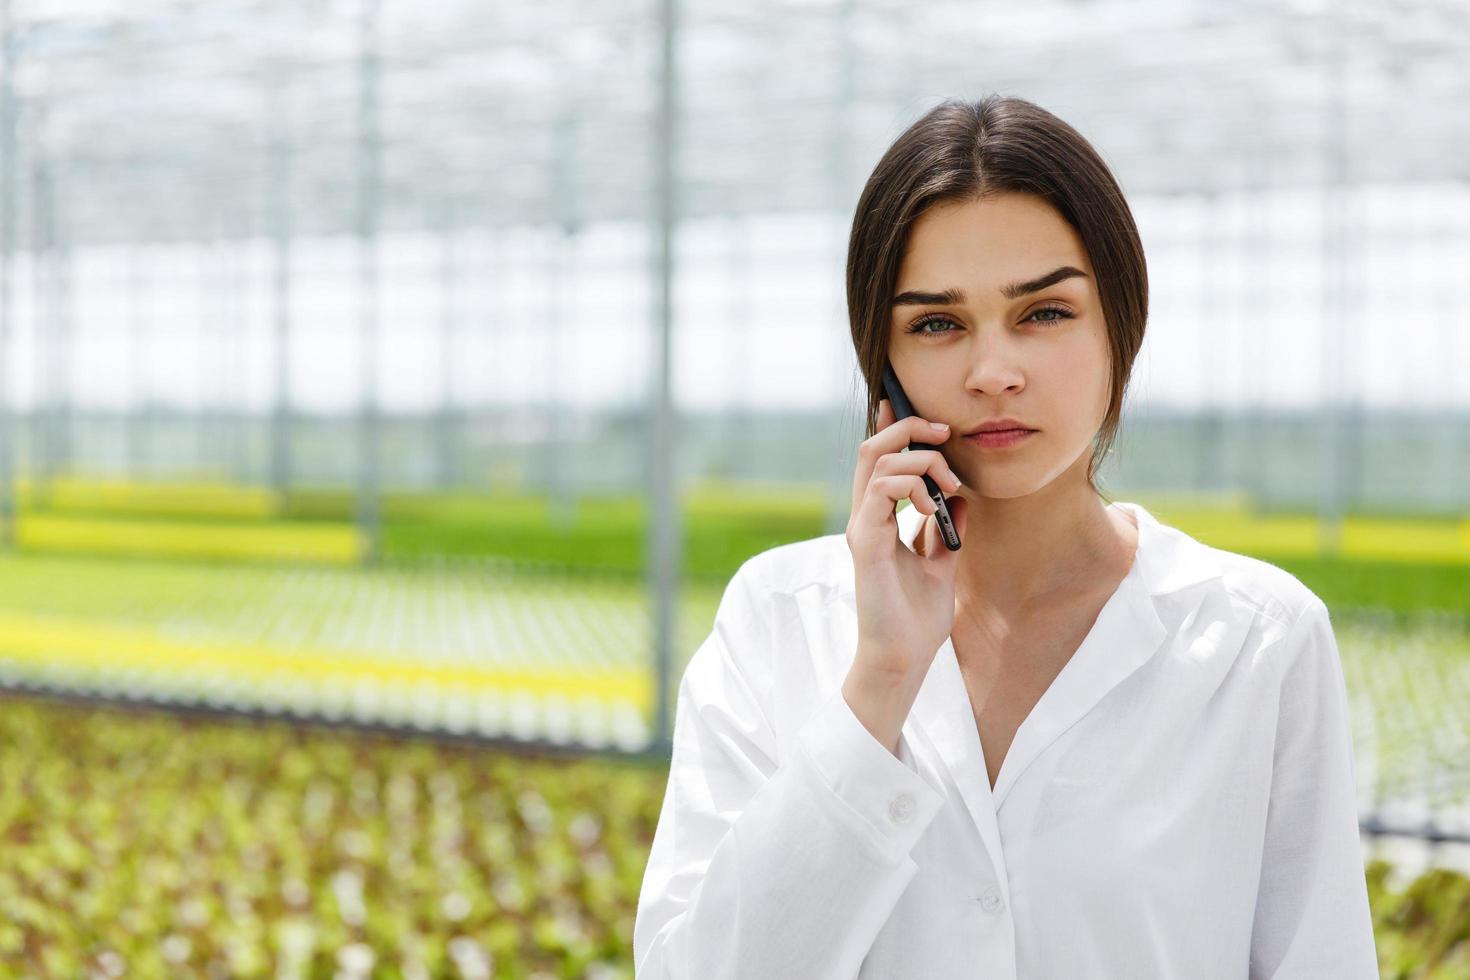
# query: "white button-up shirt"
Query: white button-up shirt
1180,802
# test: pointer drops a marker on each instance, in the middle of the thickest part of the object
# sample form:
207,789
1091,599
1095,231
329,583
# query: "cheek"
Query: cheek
1102,367
1078,374
1080,362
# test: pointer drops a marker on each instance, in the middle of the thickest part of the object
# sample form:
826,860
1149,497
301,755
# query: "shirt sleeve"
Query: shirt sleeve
764,866
1312,917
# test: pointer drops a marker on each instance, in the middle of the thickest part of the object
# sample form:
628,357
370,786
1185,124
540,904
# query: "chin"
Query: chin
1008,483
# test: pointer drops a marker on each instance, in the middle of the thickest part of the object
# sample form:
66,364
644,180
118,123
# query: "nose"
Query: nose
994,368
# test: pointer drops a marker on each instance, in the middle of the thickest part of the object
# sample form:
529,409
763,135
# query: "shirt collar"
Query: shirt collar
1167,559
1127,633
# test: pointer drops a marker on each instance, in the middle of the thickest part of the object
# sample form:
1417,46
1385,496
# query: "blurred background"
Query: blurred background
388,390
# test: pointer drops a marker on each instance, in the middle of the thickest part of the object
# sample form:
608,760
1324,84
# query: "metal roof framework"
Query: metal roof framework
160,121
124,121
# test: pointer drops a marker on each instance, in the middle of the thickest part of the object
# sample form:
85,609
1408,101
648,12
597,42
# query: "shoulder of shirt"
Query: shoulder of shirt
1258,584
1253,587
1268,589
1301,632
1287,618
795,565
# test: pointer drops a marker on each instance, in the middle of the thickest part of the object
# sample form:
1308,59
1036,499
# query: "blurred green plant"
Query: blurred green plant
1399,564
149,844
142,843
1423,928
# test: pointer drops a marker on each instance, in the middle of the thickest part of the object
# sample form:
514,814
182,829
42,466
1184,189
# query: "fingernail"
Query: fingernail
941,426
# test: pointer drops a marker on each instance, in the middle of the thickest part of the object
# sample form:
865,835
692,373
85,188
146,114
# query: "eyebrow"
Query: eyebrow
953,297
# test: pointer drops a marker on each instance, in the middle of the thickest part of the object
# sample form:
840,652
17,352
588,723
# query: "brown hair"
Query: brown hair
961,151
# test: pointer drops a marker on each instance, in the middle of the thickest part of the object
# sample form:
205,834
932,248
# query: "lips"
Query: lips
1000,438
1000,424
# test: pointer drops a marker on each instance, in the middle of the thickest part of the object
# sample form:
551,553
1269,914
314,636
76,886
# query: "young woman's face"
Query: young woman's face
1039,357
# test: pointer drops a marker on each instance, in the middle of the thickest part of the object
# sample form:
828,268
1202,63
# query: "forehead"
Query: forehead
987,243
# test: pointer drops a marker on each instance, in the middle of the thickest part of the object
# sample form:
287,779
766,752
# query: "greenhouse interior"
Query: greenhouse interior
390,392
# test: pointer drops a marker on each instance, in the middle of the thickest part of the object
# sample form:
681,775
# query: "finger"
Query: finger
919,461
893,439
912,429
868,453
863,472
915,429
875,513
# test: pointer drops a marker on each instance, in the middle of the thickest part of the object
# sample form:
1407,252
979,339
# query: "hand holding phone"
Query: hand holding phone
902,409
905,599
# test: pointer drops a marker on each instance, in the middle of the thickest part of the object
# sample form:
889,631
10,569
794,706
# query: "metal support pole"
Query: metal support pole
65,456
561,480
446,433
1339,337
845,191
1209,430
43,292
739,429
369,150
664,519
280,231
133,433
1258,455
7,252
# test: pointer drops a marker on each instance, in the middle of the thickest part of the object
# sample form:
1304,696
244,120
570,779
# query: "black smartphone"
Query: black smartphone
902,409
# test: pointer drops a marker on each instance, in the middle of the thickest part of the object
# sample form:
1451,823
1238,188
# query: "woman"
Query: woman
1083,745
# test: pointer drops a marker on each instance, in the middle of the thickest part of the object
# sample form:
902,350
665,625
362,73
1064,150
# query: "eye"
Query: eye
923,321
1062,314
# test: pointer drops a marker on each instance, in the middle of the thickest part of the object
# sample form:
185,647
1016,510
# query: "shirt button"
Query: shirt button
991,901
901,810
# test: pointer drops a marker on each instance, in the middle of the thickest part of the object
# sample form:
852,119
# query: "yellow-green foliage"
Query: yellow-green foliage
144,844
173,847
1423,927
217,540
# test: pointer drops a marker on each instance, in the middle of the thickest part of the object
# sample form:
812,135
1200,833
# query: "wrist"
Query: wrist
880,704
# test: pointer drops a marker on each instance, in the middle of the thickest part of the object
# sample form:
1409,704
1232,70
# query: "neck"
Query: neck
1031,550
